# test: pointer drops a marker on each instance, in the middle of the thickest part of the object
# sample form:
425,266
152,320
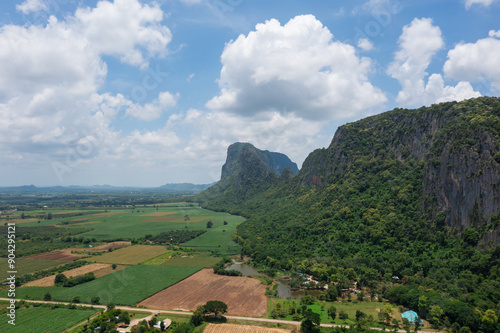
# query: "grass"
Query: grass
131,255
370,308
26,266
219,238
125,287
201,259
43,319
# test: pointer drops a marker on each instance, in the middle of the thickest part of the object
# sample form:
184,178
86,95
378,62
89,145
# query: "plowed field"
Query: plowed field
49,280
243,296
231,328
64,255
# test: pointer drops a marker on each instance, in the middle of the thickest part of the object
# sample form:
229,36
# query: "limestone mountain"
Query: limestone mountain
247,171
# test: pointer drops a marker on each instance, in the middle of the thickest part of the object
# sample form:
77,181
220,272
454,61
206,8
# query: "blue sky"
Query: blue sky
143,93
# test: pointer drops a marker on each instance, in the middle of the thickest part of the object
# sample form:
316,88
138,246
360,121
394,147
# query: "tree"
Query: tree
76,299
489,321
385,314
95,300
360,315
215,307
60,279
436,313
113,266
210,224
197,318
225,222
110,306
332,312
310,321
47,297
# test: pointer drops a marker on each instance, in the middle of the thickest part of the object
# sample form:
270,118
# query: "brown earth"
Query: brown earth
231,328
63,255
49,280
177,219
243,296
106,247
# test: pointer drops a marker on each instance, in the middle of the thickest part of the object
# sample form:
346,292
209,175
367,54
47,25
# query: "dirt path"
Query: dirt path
188,313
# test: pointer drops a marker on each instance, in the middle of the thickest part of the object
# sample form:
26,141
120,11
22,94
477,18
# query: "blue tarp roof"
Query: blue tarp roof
412,316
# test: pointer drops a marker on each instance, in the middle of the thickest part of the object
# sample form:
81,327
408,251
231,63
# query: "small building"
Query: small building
412,317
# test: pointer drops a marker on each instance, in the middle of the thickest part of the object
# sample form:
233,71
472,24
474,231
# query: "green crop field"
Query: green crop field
128,223
25,266
131,255
125,287
219,237
42,319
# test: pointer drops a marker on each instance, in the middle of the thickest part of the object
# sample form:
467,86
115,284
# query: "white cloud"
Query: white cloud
365,44
494,33
192,2
475,62
153,110
294,69
418,43
125,28
51,76
486,3
30,6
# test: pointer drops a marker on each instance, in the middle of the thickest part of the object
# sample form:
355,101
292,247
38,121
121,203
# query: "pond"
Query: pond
284,290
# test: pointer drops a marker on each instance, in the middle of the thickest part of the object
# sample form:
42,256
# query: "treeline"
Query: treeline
174,237
220,270
23,279
62,280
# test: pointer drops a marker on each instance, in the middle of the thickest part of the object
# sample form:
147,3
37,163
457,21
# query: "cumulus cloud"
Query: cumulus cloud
30,6
125,28
365,44
51,75
485,3
153,110
476,62
295,69
418,43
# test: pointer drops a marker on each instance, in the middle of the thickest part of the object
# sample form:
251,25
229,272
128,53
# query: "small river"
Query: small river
284,290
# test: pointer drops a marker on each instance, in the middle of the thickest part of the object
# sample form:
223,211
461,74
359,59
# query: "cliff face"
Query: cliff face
456,144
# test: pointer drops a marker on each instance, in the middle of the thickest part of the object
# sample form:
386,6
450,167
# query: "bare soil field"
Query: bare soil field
108,270
49,280
243,296
106,247
177,219
231,328
159,214
63,255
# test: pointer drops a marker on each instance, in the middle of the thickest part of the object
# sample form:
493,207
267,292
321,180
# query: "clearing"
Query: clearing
231,328
243,296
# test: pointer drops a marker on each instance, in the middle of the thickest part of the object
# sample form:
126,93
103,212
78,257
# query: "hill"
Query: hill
409,194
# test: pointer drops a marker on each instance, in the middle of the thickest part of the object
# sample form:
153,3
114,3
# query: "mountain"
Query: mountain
247,171
413,194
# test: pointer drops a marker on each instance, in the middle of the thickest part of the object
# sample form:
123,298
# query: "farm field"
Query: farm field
243,296
61,255
126,287
142,220
184,259
49,280
232,328
131,255
42,319
26,266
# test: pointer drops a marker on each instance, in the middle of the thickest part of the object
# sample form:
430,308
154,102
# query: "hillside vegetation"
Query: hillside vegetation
406,202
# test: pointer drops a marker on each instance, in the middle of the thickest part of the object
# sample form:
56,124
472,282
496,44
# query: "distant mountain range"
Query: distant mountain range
187,188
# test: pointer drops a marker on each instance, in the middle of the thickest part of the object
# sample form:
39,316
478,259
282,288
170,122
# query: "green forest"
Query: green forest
358,212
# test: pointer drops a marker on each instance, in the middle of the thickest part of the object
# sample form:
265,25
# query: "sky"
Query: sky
145,93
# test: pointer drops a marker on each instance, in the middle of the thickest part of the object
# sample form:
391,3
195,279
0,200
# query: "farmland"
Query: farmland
44,319
179,258
26,266
231,328
126,287
131,255
244,296
49,280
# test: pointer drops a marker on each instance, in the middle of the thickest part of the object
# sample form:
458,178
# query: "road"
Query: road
188,313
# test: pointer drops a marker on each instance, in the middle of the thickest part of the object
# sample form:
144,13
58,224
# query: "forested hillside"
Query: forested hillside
410,196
